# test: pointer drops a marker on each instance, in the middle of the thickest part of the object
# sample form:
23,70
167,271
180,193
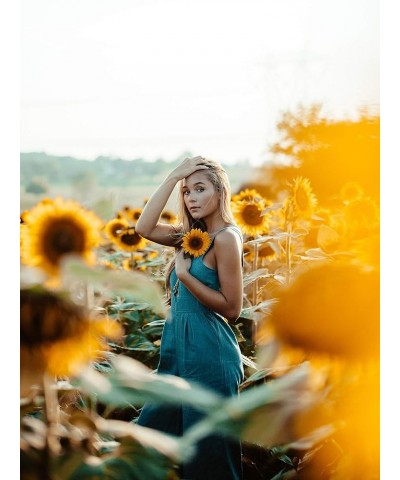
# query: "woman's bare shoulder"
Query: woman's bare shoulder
228,239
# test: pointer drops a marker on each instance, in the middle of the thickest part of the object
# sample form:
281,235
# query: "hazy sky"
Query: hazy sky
152,78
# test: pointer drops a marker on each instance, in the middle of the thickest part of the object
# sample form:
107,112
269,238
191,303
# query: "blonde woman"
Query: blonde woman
205,293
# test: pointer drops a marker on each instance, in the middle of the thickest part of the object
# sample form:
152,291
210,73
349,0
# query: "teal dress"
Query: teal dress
199,345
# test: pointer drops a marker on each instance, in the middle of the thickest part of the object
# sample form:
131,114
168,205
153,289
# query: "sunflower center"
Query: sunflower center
196,243
302,199
266,251
116,230
130,238
251,215
63,237
46,318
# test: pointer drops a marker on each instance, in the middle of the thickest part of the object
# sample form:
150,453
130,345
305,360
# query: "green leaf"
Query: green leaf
131,285
264,307
253,276
131,461
259,415
249,363
128,306
139,342
154,328
132,382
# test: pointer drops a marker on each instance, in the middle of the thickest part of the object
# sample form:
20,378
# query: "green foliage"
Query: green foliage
103,171
143,329
328,152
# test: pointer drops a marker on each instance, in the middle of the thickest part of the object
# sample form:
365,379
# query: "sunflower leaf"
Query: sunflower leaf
132,285
264,306
251,277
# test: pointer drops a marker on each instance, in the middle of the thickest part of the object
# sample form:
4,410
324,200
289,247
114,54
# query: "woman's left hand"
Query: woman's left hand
182,264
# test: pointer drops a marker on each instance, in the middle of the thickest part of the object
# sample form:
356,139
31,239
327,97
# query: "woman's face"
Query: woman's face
199,195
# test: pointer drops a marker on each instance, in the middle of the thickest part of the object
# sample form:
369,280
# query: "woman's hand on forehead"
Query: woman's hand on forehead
190,165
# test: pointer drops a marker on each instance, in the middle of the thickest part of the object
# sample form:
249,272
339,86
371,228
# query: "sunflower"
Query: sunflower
115,227
22,216
196,242
130,263
248,252
129,240
304,201
249,194
134,214
57,336
326,307
351,191
361,217
57,228
266,252
248,216
168,217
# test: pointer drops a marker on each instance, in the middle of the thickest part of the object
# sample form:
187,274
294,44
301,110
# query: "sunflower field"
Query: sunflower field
91,317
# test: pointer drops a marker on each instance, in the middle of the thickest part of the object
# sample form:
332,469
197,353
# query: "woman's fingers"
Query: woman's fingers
190,165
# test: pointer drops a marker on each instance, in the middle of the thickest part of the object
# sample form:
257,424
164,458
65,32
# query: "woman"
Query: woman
205,293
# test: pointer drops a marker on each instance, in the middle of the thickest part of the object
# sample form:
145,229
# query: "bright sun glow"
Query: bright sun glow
155,79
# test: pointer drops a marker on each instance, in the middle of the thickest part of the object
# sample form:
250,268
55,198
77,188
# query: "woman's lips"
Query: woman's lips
193,208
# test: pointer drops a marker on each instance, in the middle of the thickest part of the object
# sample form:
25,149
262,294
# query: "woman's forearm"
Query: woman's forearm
213,299
151,213
155,205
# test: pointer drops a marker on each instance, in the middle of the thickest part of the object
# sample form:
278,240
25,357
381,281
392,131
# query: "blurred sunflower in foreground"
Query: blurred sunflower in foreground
56,228
332,308
330,311
57,336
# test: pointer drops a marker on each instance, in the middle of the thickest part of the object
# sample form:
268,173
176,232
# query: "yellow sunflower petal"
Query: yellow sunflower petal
249,194
114,227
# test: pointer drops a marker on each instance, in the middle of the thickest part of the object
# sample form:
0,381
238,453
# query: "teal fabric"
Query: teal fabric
199,345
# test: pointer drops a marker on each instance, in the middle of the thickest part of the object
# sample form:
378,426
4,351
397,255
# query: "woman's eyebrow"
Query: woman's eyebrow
197,183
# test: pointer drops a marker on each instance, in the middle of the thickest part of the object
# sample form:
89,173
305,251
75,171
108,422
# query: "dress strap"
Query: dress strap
237,230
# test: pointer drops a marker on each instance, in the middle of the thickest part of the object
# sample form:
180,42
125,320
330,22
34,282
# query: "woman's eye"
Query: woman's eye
200,189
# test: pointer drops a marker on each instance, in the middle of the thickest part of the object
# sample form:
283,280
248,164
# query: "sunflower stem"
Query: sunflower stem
255,288
255,284
288,251
52,418
89,296
289,229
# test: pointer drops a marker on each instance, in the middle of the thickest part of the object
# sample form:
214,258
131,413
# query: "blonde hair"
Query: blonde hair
218,177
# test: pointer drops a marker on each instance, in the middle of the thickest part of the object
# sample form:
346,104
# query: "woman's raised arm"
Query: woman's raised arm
148,225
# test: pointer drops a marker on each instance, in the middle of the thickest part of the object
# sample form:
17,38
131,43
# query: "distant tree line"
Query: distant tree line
329,152
39,168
